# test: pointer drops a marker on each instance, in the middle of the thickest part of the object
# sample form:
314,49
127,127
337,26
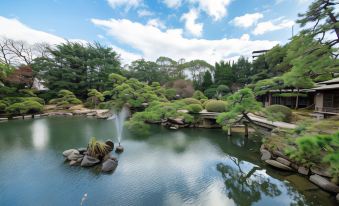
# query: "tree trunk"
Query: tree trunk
334,20
297,100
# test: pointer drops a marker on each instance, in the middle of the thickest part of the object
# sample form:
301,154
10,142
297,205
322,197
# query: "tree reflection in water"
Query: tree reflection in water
245,188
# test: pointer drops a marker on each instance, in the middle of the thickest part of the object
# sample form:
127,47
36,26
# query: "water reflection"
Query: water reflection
40,134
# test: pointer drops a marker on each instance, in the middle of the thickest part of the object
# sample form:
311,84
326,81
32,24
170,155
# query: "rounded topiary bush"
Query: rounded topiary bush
199,95
190,101
215,106
285,111
194,108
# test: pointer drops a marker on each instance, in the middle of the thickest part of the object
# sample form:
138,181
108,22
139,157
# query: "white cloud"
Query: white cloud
173,3
215,8
299,1
126,3
14,29
245,37
268,26
190,22
247,20
144,12
156,23
152,42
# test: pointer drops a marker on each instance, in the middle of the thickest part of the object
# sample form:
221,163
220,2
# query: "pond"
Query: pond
183,167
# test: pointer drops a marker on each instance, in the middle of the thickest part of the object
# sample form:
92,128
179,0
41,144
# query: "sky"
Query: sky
211,30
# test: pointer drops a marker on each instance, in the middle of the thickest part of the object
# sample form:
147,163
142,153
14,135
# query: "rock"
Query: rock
280,154
28,117
110,144
18,117
319,171
283,161
303,170
89,161
74,155
109,165
82,150
266,155
262,147
183,111
324,183
80,159
174,127
3,119
176,120
337,197
73,162
278,165
36,116
68,152
294,166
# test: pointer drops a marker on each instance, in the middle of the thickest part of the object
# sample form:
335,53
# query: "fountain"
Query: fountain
119,125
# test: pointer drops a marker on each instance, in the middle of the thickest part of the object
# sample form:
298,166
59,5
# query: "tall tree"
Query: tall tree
145,71
207,80
77,67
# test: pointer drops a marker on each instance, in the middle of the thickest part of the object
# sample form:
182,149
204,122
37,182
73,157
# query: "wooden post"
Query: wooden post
246,130
229,131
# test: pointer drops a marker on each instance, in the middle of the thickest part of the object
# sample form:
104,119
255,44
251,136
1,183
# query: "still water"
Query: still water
184,167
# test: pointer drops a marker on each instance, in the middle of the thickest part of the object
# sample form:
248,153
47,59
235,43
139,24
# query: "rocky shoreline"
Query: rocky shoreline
318,176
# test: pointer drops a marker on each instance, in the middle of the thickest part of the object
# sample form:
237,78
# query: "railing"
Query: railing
327,109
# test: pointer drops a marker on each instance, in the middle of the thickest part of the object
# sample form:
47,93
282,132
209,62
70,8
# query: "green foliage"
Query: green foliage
137,125
170,93
26,107
314,149
77,67
199,95
222,90
190,101
210,92
239,105
215,106
3,106
278,113
97,149
194,108
94,98
66,99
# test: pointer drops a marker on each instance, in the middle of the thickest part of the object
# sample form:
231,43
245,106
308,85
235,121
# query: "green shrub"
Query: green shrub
170,93
188,101
2,106
66,98
26,107
215,106
199,95
286,113
194,108
210,92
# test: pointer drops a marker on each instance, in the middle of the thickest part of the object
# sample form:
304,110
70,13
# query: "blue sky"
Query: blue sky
191,29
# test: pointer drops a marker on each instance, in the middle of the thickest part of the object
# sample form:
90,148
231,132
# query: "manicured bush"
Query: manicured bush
194,108
26,107
170,93
190,101
215,106
66,98
210,92
199,95
286,113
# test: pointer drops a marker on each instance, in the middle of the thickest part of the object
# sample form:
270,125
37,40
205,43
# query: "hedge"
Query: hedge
215,106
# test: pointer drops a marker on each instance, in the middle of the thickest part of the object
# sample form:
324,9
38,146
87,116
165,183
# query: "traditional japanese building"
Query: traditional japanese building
327,97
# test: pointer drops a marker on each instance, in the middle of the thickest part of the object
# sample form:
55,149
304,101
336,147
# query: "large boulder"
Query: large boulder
109,165
324,183
265,155
68,152
278,165
283,161
88,161
110,144
82,150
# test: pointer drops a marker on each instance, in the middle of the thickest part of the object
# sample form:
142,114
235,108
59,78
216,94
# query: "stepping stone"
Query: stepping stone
324,183
278,165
